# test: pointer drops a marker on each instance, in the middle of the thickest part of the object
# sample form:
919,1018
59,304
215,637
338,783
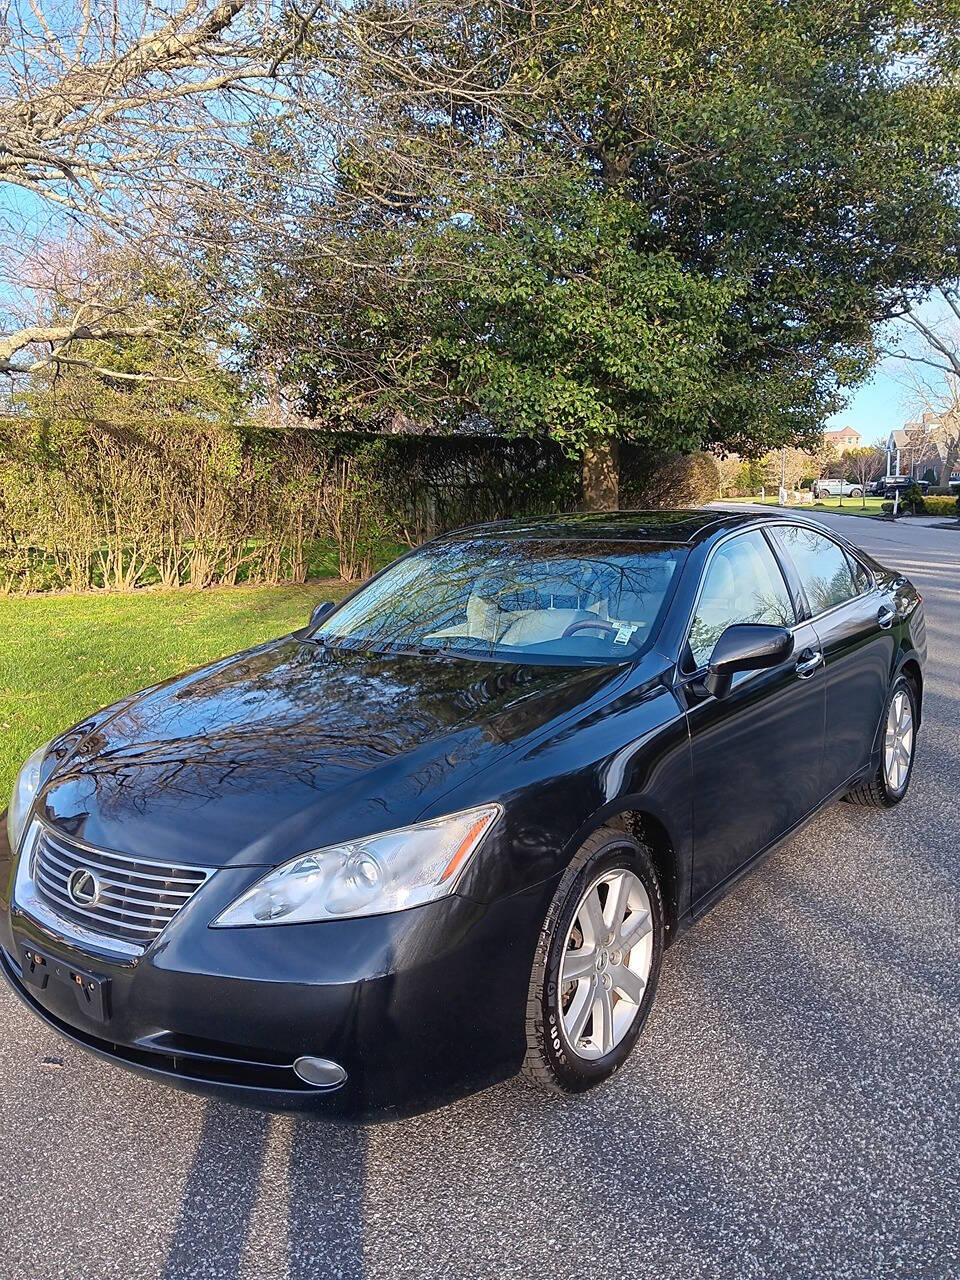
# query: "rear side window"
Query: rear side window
862,581
743,583
822,565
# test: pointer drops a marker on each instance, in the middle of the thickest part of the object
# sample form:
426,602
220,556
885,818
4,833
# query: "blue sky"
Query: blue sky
879,405
891,397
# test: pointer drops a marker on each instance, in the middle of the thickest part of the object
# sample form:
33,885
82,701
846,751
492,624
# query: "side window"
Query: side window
862,582
823,566
743,583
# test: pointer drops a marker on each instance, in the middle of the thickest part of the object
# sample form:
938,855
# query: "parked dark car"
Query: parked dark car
446,831
900,484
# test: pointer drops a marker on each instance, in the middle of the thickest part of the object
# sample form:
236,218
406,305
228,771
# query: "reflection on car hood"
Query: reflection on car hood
291,746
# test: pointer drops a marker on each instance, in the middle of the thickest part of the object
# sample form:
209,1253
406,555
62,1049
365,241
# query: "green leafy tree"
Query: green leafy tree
686,238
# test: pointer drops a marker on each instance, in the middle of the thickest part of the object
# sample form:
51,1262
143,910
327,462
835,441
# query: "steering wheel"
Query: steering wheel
600,624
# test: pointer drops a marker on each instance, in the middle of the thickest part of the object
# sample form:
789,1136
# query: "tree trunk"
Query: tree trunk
601,477
950,461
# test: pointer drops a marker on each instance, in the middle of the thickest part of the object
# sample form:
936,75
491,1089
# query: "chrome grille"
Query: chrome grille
134,900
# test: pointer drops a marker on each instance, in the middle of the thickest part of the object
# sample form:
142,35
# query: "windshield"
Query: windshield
519,599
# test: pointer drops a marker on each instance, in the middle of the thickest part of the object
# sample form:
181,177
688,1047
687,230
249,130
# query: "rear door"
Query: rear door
853,620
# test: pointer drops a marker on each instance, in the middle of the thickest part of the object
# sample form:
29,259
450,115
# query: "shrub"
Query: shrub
930,504
667,480
940,505
912,500
84,506
358,509
442,482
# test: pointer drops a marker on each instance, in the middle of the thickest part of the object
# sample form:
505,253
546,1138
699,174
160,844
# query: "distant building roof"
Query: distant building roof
843,436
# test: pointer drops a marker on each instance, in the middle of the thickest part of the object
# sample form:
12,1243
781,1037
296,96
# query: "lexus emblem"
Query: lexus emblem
83,887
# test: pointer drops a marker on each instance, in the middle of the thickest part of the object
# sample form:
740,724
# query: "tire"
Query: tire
856,493
610,861
888,786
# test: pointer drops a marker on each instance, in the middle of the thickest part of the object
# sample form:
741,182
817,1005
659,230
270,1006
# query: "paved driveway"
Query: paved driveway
792,1110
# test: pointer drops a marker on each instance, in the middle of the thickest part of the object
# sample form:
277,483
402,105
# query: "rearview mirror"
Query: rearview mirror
320,612
745,646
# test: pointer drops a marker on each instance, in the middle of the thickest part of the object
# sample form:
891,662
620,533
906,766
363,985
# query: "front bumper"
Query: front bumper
419,1006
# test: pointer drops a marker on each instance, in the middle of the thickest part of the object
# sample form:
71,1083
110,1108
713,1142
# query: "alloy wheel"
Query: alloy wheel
606,963
898,741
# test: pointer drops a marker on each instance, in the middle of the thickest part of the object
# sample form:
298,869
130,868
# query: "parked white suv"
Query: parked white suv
837,489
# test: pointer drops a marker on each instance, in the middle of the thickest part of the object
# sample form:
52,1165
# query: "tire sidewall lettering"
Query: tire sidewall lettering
576,1074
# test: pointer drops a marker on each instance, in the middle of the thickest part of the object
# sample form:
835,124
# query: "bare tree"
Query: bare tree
866,463
153,126
110,117
941,339
931,346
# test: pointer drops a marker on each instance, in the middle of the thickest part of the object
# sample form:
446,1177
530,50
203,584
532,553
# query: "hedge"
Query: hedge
940,505
83,505
90,505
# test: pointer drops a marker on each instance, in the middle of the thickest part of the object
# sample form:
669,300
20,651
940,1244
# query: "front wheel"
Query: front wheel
596,965
889,784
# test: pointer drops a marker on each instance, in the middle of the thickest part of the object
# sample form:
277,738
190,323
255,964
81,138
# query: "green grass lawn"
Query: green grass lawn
850,507
62,657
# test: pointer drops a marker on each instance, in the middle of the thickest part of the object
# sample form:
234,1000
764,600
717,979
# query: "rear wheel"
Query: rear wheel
596,966
889,784
856,493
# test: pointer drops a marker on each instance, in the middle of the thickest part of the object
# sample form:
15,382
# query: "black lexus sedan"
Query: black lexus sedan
446,831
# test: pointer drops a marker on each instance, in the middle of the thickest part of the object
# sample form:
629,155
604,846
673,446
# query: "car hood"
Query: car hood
294,745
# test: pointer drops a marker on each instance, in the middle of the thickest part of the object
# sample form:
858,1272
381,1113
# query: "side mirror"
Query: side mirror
745,646
320,612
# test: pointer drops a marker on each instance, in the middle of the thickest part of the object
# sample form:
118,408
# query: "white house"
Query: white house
914,448
897,445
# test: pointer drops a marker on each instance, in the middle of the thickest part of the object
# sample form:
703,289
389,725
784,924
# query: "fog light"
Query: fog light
321,1073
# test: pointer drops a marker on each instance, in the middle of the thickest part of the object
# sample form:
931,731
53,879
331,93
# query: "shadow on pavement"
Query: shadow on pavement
326,1201
219,1195
321,1188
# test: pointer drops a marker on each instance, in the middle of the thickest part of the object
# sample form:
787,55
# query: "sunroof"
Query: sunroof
659,526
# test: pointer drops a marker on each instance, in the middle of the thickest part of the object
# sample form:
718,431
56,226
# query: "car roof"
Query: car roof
675,528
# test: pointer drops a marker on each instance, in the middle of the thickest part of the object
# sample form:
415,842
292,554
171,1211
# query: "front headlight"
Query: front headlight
24,793
368,877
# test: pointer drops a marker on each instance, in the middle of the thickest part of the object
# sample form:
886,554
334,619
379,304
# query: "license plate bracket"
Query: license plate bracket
91,991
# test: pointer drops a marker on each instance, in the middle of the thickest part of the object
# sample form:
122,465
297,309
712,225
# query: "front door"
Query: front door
756,752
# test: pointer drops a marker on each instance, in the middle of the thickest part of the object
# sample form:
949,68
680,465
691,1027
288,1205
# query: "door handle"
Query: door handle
808,662
885,616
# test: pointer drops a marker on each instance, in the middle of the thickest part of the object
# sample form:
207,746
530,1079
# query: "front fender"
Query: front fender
632,754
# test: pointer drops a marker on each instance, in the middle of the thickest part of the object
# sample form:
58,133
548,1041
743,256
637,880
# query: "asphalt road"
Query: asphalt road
791,1111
